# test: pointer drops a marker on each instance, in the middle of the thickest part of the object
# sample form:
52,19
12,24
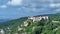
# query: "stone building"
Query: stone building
38,18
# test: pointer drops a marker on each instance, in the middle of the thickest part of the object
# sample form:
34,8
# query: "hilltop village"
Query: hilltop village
26,23
32,25
35,19
30,20
38,18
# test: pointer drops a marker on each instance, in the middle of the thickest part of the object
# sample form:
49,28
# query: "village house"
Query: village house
38,18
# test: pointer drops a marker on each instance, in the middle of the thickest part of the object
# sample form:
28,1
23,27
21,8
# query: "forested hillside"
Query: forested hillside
50,26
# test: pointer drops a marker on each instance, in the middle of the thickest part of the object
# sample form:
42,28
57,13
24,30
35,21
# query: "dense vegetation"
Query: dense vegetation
12,25
50,26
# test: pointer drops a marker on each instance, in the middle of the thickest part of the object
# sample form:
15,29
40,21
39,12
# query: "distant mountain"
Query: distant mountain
4,20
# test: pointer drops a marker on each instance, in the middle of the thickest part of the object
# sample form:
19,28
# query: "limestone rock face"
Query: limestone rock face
25,23
2,31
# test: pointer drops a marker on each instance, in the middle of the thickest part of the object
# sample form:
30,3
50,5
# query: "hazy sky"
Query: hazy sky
19,8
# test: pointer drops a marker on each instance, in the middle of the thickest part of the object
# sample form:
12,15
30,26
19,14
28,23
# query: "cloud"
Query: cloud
57,10
14,2
3,6
29,9
54,5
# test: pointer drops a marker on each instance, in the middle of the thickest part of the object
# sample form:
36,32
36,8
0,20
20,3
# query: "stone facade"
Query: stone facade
38,18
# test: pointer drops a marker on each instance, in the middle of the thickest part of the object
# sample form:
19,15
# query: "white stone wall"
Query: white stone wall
38,18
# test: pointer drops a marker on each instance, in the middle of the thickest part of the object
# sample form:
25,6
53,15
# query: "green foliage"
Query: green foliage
50,26
13,24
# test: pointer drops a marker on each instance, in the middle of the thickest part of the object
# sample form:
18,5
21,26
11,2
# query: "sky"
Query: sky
12,9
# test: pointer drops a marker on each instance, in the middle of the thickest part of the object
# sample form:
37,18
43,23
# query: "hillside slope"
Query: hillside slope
50,26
